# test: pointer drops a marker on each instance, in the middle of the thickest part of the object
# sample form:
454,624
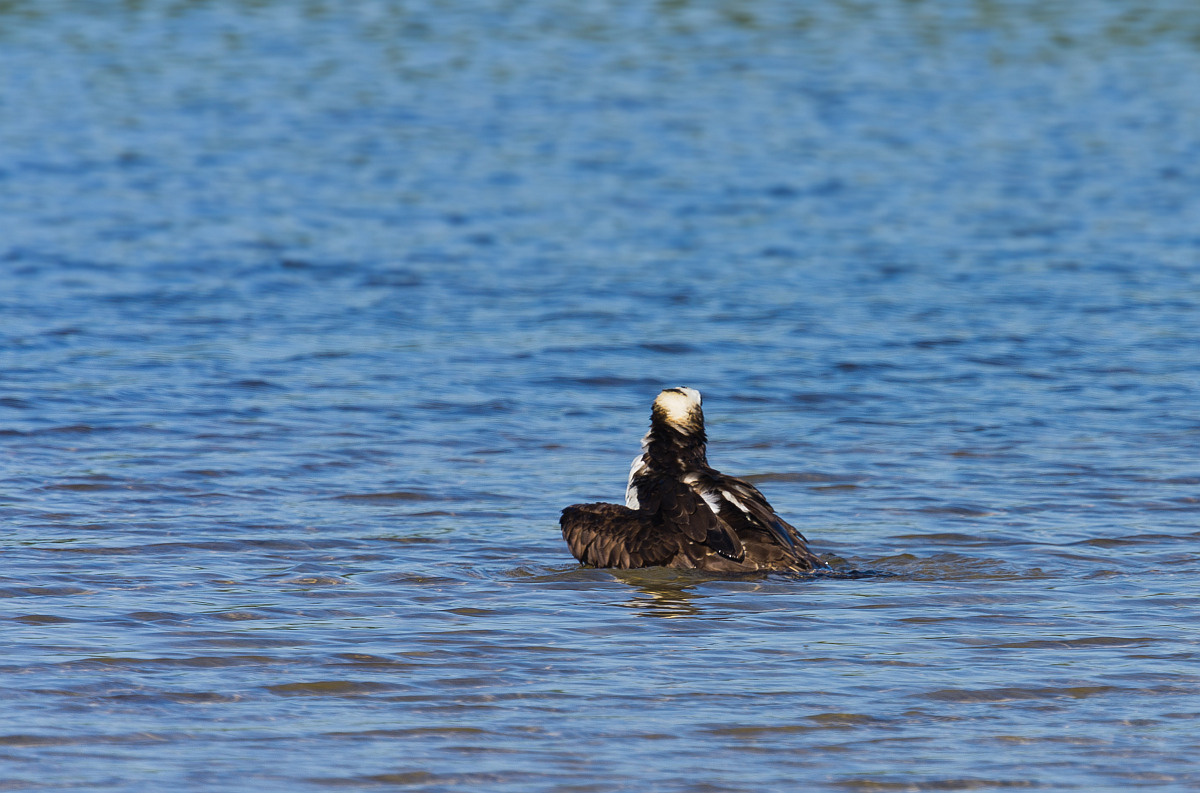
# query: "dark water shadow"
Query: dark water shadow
669,593
676,598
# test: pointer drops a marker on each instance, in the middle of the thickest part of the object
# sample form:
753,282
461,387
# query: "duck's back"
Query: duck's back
613,535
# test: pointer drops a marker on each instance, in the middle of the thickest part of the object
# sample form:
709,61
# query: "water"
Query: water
313,318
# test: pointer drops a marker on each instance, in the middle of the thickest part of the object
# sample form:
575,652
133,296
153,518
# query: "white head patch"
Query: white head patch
678,404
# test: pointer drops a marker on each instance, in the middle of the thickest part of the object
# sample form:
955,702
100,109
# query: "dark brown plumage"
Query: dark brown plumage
680,512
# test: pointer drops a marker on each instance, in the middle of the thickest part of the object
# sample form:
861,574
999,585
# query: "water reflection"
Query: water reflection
659,594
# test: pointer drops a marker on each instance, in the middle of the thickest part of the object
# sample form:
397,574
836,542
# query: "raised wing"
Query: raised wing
739,503
672,505
612,535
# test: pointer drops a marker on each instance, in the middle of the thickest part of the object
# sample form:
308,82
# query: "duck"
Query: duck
680,512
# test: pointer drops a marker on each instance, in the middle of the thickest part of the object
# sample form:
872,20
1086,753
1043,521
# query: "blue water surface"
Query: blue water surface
313,317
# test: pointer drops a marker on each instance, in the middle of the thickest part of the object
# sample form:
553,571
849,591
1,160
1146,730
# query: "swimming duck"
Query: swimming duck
680,512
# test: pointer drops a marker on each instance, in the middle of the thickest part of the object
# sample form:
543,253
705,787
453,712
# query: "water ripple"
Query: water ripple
313,322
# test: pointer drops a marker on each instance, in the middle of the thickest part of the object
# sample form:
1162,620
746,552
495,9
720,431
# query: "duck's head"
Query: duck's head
679,408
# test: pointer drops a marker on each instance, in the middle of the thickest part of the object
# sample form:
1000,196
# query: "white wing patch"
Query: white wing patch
733,500
710,496
635,468
712,499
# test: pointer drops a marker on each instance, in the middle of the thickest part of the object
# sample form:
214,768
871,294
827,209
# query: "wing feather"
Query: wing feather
674,505
612,535
757,511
